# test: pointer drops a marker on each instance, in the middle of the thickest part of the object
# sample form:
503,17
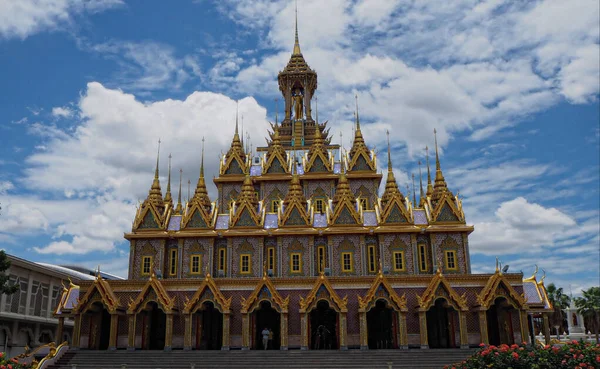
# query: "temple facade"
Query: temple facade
299,241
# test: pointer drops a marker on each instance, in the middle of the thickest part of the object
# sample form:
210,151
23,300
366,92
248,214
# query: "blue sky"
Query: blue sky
512,89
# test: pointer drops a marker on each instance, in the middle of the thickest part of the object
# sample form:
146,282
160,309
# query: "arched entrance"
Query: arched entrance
99,319
208,327
381,326
499,320
265,316
323,327
440,324
154,324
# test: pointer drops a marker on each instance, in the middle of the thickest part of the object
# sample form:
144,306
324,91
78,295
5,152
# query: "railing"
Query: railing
28,356
54,354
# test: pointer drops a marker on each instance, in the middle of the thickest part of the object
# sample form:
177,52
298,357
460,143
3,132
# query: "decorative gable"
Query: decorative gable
322,290
440,288
395,215
208,291
100,290
265,291
498,286
233,166
196,220
447,211
361,161
152,291
381,289
148,219
346,215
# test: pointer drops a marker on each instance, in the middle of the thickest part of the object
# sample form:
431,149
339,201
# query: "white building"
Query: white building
26,317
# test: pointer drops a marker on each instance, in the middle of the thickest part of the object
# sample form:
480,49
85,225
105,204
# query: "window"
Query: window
271,258
319,205
173,265
364,203
398,259
371,258
245,264
347,262
146,265
451,260
321,259
274,206
195,264
296,262
422,258
222,259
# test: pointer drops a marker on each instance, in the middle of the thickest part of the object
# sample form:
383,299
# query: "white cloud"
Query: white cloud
23,18
5,186
101,169
62,112
520,227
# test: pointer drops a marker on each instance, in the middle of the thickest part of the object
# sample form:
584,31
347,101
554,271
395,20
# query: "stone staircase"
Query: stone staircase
292,359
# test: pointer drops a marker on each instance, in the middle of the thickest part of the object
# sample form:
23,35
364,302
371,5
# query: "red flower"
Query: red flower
546,347
515,355
482,344
555,349
514,346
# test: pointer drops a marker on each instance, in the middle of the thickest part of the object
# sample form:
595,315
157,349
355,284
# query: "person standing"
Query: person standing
265,337
270,338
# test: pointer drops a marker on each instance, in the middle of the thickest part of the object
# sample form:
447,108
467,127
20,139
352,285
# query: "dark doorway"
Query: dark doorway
154,325
381,326
99,327
208,327
323,327
499,319
266,317
440,325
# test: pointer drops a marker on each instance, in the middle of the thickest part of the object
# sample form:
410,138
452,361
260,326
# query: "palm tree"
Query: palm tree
560,302
589,307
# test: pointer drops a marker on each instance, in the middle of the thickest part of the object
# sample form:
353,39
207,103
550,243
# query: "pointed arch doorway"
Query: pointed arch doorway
382,326
324,327
266,317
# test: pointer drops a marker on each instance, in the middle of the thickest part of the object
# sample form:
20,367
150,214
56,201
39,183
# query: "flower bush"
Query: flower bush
6,363
573,355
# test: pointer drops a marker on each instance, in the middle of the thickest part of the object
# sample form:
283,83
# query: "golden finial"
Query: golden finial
168,197
296,42
387,132
497,265
179,208
202,160
380,268
357,118
429,185
98,271
237,108
543,276
189,183
317,108
157,156
421,198
277,111
414,192
264,268
437,158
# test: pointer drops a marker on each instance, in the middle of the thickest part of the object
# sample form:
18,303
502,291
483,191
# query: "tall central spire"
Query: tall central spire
296,42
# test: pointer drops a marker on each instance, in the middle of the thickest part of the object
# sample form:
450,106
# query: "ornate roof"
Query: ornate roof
395,209
277,159
322,290
498,286
344,205
265,290
439,287
245,213
295,213
360,156
318,156
107,296
208,291
161,296
381,289
235,159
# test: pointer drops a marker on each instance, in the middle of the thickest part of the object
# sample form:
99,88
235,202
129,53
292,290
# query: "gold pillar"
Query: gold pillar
77,331
423,329
483,327
343,332
225,345
364,334
546,328
284,331
114,328
131,333
464,335
59,329
402,331
245,331
169,332
524,327
187,338
304,330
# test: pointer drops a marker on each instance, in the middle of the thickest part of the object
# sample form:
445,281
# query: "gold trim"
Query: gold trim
428,297
167,303
222,304
306,304
398,303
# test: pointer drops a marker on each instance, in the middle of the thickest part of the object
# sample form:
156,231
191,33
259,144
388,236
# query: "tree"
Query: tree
589,306
5,288
559,302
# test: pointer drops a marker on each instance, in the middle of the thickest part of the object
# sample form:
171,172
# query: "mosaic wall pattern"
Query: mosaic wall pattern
365,188
245,245
397,242
145,247
271,242
326,187
321,241
194,246
293,245
345,243
422,239
220,243
227,192
450,241
371,240
273,190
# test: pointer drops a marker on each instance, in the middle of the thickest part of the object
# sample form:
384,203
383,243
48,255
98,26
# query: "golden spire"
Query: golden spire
429,185
359,148
248,193
357,120
414,192
236,143
179,209
201,194
391,187
168,197
342,191
440,183
155,194
317,109
421,193
296,42
276,110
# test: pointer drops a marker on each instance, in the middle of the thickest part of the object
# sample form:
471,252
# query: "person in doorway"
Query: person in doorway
265,337
270,338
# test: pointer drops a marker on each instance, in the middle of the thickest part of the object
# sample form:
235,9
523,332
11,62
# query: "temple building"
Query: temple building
300,242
